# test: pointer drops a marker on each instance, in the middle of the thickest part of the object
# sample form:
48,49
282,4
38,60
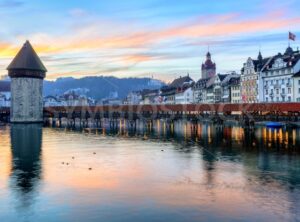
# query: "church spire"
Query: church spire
259,57
208,56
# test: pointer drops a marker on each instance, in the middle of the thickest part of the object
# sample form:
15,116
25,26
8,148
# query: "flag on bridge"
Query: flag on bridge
292,36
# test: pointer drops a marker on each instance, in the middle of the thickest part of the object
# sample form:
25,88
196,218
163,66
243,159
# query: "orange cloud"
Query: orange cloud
134,45
215,26
138,58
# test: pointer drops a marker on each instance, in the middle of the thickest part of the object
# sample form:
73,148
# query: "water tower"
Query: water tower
27,73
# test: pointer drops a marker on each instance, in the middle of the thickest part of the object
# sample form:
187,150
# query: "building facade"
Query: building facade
231,88
199,90
214,89
150,96
235,89
169,92
249,79
296,83
52,101
184,96
276,82
133,98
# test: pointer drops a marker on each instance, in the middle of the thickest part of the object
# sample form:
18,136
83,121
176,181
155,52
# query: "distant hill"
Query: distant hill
100,87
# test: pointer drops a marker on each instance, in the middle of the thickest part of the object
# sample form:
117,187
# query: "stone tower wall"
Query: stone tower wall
26,100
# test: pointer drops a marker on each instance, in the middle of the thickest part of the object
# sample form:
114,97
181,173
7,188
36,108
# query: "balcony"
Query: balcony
289,84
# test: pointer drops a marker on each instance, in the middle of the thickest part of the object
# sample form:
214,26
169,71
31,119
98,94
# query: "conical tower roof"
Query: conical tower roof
27,59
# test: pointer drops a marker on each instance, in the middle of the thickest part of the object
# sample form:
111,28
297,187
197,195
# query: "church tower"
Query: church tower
208,67
27,73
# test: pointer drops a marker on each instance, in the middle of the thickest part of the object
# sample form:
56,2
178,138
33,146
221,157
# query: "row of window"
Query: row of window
279,100
278,72
277,81
235,87
236,94
277,91
250,90
249,77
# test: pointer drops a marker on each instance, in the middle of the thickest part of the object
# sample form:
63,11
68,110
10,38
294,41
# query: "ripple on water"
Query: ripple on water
74,176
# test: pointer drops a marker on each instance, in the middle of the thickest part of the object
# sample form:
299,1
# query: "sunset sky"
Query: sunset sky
163,38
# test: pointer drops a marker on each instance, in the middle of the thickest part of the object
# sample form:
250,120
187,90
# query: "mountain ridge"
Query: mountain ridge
100,87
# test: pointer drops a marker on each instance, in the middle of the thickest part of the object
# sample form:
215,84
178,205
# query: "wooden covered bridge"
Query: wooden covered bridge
253,111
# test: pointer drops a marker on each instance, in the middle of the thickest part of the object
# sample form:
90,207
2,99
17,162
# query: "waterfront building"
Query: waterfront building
110,101
214,89
276,77
150,96
235,89
27,73
249,79
133,98
168,92
296,83
226,93
231,88
208,68
51,101
5,94
199,90
184,95
72,98
69,99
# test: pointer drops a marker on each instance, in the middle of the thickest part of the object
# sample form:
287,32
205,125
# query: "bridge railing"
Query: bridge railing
173,111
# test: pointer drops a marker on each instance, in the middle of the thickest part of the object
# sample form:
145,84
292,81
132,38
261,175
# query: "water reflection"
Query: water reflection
26,141
210,135
170,171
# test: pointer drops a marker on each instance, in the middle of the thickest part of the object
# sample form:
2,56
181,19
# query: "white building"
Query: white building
133,98
236,93
150,96
231,88
214,89
184,96
110,102
296,80
52,101
168,93
199,90
276,77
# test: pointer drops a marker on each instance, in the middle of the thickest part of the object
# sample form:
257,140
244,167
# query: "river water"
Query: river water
212,173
